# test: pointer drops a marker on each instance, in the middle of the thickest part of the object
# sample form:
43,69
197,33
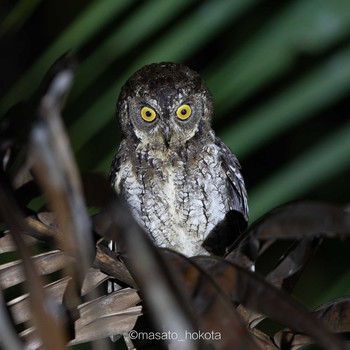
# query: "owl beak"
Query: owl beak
167,136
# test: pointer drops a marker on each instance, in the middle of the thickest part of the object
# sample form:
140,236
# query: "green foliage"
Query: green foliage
271,68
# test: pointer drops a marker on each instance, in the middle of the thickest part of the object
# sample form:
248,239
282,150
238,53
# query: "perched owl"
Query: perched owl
182,183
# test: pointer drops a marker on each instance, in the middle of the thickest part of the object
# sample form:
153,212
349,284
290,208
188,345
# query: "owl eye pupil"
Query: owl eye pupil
183,111
148,114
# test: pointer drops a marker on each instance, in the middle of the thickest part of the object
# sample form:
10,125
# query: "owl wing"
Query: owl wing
115,167
235,222
235,180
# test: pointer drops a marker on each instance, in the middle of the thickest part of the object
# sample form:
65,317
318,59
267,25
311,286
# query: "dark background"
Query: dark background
279,72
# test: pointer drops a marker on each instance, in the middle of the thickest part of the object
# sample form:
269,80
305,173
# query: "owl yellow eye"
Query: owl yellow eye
184,112
148,114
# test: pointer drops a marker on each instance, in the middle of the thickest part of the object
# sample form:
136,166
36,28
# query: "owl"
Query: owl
181,182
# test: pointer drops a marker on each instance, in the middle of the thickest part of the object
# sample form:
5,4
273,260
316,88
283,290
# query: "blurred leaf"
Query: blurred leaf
9,337
314,91
302,219
107,261
79,32
308,171
256,294
218,316
263,340
335,314
98,319
18,15
45,311
115,45
301,26
340,286
12,272
20,306
115,313
55,169
8,245
289,268
159,285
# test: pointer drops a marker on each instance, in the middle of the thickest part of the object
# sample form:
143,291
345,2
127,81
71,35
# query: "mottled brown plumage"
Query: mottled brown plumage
181,182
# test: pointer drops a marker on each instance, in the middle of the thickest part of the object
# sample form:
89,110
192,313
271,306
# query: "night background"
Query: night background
279,73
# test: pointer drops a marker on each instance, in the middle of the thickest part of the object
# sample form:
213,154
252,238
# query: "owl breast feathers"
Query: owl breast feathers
182,184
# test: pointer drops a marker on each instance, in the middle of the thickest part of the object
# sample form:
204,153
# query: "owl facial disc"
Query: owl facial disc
164,105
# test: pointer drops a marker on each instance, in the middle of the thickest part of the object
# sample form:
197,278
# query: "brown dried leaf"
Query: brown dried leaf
20,308
31,339
115,313
291,340
93,278
108,262
43,231
213,309
262,339
57,173
8,334
289,221
255,293
111,304
297,220
44,310
287,272
335,314
161,289
12,273
8,245
107,326
48,219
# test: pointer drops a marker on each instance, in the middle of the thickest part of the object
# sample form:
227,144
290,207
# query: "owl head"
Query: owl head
164,105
